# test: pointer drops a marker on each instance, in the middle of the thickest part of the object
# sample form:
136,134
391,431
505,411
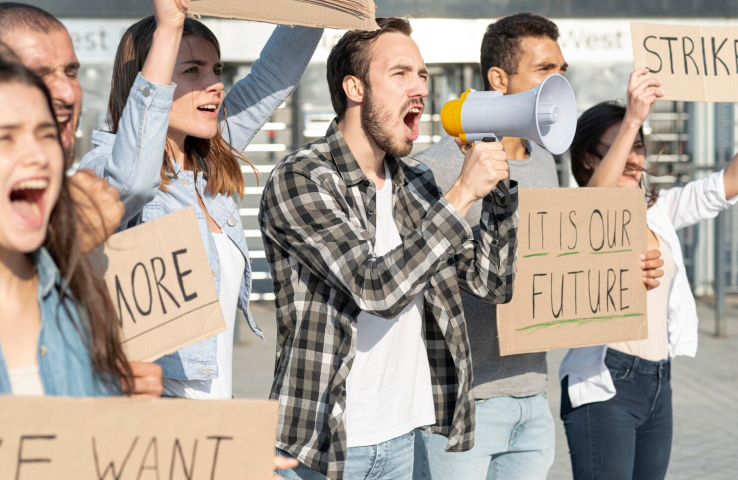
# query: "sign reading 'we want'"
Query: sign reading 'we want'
133,439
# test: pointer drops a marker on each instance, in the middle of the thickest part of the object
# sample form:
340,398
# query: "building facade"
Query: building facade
685,140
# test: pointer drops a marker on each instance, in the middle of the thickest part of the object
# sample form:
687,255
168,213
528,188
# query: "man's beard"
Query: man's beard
374,121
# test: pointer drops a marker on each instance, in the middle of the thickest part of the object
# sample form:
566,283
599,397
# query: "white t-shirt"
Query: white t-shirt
656,347
388,391
232,265
26,381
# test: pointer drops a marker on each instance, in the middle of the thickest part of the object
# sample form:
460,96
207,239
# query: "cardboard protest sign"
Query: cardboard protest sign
343,14
694,64
132,439
579,278
159,280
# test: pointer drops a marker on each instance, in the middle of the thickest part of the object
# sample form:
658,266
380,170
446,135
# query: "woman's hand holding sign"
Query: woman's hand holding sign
642,94
170,17
651,264
147,380
170,13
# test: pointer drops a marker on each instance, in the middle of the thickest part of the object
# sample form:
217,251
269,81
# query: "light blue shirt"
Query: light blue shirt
64,361
131,162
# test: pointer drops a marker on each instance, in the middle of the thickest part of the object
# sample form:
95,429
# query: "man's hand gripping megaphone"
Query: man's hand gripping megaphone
502,195
545,114
485,167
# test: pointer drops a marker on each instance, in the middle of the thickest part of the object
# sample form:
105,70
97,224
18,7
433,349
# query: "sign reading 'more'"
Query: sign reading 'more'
160,283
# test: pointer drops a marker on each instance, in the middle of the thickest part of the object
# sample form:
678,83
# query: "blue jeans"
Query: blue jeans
514,440
628,436
390,460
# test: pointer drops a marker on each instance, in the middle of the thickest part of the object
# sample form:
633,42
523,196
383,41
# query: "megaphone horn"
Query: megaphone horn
546,114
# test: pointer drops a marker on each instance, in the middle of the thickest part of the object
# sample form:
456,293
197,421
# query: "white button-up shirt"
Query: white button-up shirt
676,208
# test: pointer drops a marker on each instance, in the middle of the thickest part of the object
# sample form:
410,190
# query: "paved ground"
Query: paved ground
705,396
705,400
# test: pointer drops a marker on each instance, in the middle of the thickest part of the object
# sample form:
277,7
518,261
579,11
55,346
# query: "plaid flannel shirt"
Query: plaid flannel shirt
317,219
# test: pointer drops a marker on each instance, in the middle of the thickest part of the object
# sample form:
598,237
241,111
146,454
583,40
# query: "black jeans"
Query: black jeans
628,436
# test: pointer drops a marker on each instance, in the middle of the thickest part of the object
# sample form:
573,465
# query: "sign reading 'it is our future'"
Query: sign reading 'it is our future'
579,279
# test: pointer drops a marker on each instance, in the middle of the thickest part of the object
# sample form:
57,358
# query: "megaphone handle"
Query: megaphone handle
505,200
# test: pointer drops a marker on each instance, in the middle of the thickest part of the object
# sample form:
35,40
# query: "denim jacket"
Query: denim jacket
131,162
64,361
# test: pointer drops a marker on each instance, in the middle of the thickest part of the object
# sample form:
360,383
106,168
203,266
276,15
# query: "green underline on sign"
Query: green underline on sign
577,321
535,255
567,253
611,251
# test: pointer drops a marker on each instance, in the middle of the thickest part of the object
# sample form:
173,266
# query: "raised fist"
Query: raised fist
98,205
642,93
170,13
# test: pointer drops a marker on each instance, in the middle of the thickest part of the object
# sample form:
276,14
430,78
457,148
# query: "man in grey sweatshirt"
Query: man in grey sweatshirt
514,434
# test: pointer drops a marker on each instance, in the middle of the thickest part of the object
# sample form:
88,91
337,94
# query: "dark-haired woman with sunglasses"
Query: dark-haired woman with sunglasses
616,399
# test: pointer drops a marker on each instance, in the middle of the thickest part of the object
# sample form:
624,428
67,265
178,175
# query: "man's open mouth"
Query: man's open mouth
412,121
65,127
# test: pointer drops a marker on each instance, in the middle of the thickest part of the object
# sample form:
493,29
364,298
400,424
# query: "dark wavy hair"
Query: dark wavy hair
98,328
590,127
219,159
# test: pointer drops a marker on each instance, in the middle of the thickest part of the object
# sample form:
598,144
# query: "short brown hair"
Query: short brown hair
14,16
501,42
352,56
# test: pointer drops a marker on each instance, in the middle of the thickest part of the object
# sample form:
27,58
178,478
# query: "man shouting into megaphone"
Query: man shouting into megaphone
367,259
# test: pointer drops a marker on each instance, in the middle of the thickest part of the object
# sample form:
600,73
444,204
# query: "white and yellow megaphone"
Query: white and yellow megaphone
546,114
